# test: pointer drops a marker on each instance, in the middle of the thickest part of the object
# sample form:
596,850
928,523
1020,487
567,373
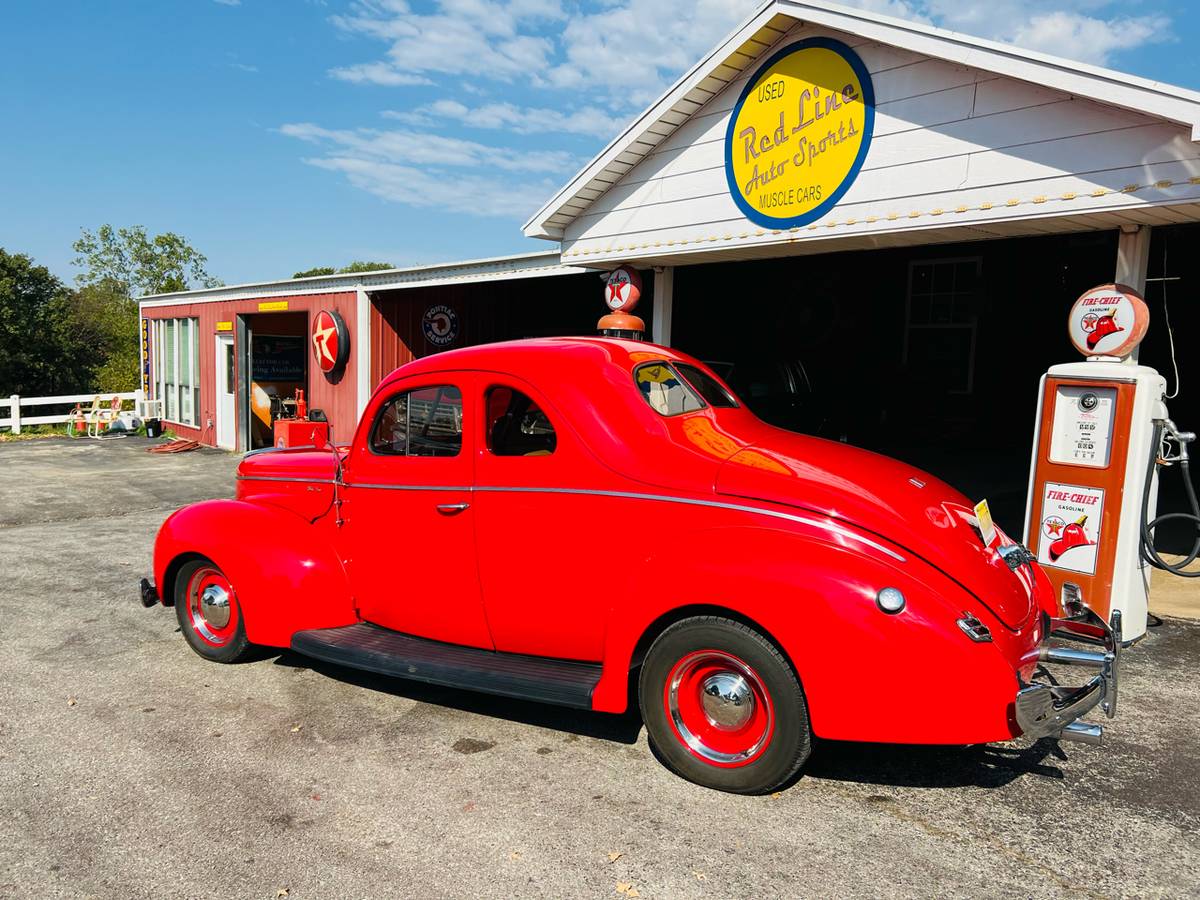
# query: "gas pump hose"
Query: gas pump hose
1149,554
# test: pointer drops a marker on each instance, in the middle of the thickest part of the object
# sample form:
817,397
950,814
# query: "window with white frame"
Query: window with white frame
943,309
176,363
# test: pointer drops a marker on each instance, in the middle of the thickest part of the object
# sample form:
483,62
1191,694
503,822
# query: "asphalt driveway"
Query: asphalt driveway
129,767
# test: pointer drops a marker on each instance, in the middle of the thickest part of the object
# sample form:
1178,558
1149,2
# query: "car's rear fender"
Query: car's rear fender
867,675
284,570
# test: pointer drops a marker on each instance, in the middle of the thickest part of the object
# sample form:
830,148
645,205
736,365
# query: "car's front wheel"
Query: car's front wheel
209,614
723,707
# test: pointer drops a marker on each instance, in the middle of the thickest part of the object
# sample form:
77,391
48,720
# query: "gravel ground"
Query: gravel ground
129,767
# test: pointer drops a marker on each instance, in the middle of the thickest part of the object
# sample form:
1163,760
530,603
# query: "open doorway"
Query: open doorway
278,367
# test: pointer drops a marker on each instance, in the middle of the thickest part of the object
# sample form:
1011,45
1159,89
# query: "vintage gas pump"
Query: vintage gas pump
1102,431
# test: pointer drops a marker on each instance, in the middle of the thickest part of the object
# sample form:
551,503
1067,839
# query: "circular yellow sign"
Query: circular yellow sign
799,133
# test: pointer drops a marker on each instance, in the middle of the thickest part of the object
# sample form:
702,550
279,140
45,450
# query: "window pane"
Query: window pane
517,426
666,392
706,386
172,410
185,370
424,422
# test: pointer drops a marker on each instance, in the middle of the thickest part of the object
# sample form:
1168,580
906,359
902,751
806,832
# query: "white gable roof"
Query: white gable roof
745,45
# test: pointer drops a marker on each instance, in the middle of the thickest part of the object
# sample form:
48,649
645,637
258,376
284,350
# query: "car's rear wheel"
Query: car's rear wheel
723,707
209,614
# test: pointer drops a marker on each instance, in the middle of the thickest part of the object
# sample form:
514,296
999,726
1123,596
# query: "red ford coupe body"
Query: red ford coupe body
541,518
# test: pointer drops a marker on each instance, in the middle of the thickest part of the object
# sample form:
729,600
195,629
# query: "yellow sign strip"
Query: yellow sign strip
273,306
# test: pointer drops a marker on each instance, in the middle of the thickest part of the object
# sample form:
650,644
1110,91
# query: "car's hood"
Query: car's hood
906,506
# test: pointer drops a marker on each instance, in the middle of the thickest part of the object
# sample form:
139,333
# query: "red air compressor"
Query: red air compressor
301,430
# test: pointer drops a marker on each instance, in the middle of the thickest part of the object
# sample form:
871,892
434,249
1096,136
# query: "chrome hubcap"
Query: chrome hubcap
719,707
727,700
214,606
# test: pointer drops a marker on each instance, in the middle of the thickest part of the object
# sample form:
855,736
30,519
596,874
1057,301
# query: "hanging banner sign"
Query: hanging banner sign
146,358
799,133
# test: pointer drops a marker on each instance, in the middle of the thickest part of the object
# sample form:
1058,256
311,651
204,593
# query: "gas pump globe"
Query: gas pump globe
1100,432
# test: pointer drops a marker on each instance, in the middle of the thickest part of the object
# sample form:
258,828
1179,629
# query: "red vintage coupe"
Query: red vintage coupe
544,519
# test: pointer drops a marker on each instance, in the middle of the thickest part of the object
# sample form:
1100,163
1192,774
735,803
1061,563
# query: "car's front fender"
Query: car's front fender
285,572
867,675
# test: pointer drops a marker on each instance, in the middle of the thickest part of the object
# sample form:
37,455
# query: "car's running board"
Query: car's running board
385,652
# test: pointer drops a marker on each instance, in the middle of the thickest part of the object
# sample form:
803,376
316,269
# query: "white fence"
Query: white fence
14,403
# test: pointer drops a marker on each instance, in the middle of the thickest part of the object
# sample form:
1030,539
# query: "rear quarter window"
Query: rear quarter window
667,392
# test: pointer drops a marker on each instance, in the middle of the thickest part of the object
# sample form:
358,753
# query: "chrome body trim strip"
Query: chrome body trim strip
288,478
715,504
830,527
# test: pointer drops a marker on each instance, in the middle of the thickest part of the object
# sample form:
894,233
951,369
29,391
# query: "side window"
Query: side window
516,426
706,386
424,422
666,392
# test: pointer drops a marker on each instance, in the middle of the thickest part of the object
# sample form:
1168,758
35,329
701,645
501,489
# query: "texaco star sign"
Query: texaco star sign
331,342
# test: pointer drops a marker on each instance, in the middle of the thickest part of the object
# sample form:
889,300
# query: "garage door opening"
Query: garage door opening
278,367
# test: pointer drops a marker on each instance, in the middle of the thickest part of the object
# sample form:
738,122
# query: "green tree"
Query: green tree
140,264
319,270
33,359
99,323
358,266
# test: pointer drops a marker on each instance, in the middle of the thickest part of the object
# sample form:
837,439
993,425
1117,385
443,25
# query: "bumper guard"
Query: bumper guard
1052,710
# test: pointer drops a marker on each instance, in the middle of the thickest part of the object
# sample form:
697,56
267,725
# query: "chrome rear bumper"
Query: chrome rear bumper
1053,710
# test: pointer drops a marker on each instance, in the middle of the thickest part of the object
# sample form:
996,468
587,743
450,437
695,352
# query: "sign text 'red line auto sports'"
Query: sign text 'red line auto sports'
799,133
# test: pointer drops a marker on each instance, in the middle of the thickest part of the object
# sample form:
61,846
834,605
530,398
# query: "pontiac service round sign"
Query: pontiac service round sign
1110,320
331,342
622,289
799,133
440,325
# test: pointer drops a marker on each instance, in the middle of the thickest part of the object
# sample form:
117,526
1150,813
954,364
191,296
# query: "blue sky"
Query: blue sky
282,134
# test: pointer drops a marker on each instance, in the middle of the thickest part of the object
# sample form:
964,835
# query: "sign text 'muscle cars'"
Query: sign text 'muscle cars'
799,133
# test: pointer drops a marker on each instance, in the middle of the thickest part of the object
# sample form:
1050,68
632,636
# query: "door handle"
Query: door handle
450,509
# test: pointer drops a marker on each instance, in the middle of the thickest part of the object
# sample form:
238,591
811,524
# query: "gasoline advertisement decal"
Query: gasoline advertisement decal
1110,320
1071,517
799,133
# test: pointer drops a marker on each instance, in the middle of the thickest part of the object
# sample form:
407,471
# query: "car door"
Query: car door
540,528
409,523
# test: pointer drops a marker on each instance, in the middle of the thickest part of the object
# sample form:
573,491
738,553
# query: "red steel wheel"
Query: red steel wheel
208,612
723,706
719,708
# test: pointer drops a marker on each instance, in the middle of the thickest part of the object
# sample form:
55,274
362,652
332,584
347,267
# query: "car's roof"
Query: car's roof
569,357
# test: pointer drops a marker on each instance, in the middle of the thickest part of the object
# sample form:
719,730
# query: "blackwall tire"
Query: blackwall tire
722,706
209,614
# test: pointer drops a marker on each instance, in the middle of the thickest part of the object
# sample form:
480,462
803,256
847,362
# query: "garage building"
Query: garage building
873,228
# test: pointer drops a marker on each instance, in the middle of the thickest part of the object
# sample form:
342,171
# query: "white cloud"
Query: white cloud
428,170
589,120
1086,30
377,73
229,2
420,187
481,38
414,148
242,67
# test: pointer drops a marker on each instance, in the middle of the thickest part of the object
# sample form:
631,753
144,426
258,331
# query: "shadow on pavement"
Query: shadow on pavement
904,765
899,765
621,729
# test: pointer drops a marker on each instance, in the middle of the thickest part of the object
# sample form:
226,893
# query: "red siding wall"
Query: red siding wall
339,401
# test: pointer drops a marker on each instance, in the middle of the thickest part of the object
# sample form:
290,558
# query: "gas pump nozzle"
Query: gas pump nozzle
1181,439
